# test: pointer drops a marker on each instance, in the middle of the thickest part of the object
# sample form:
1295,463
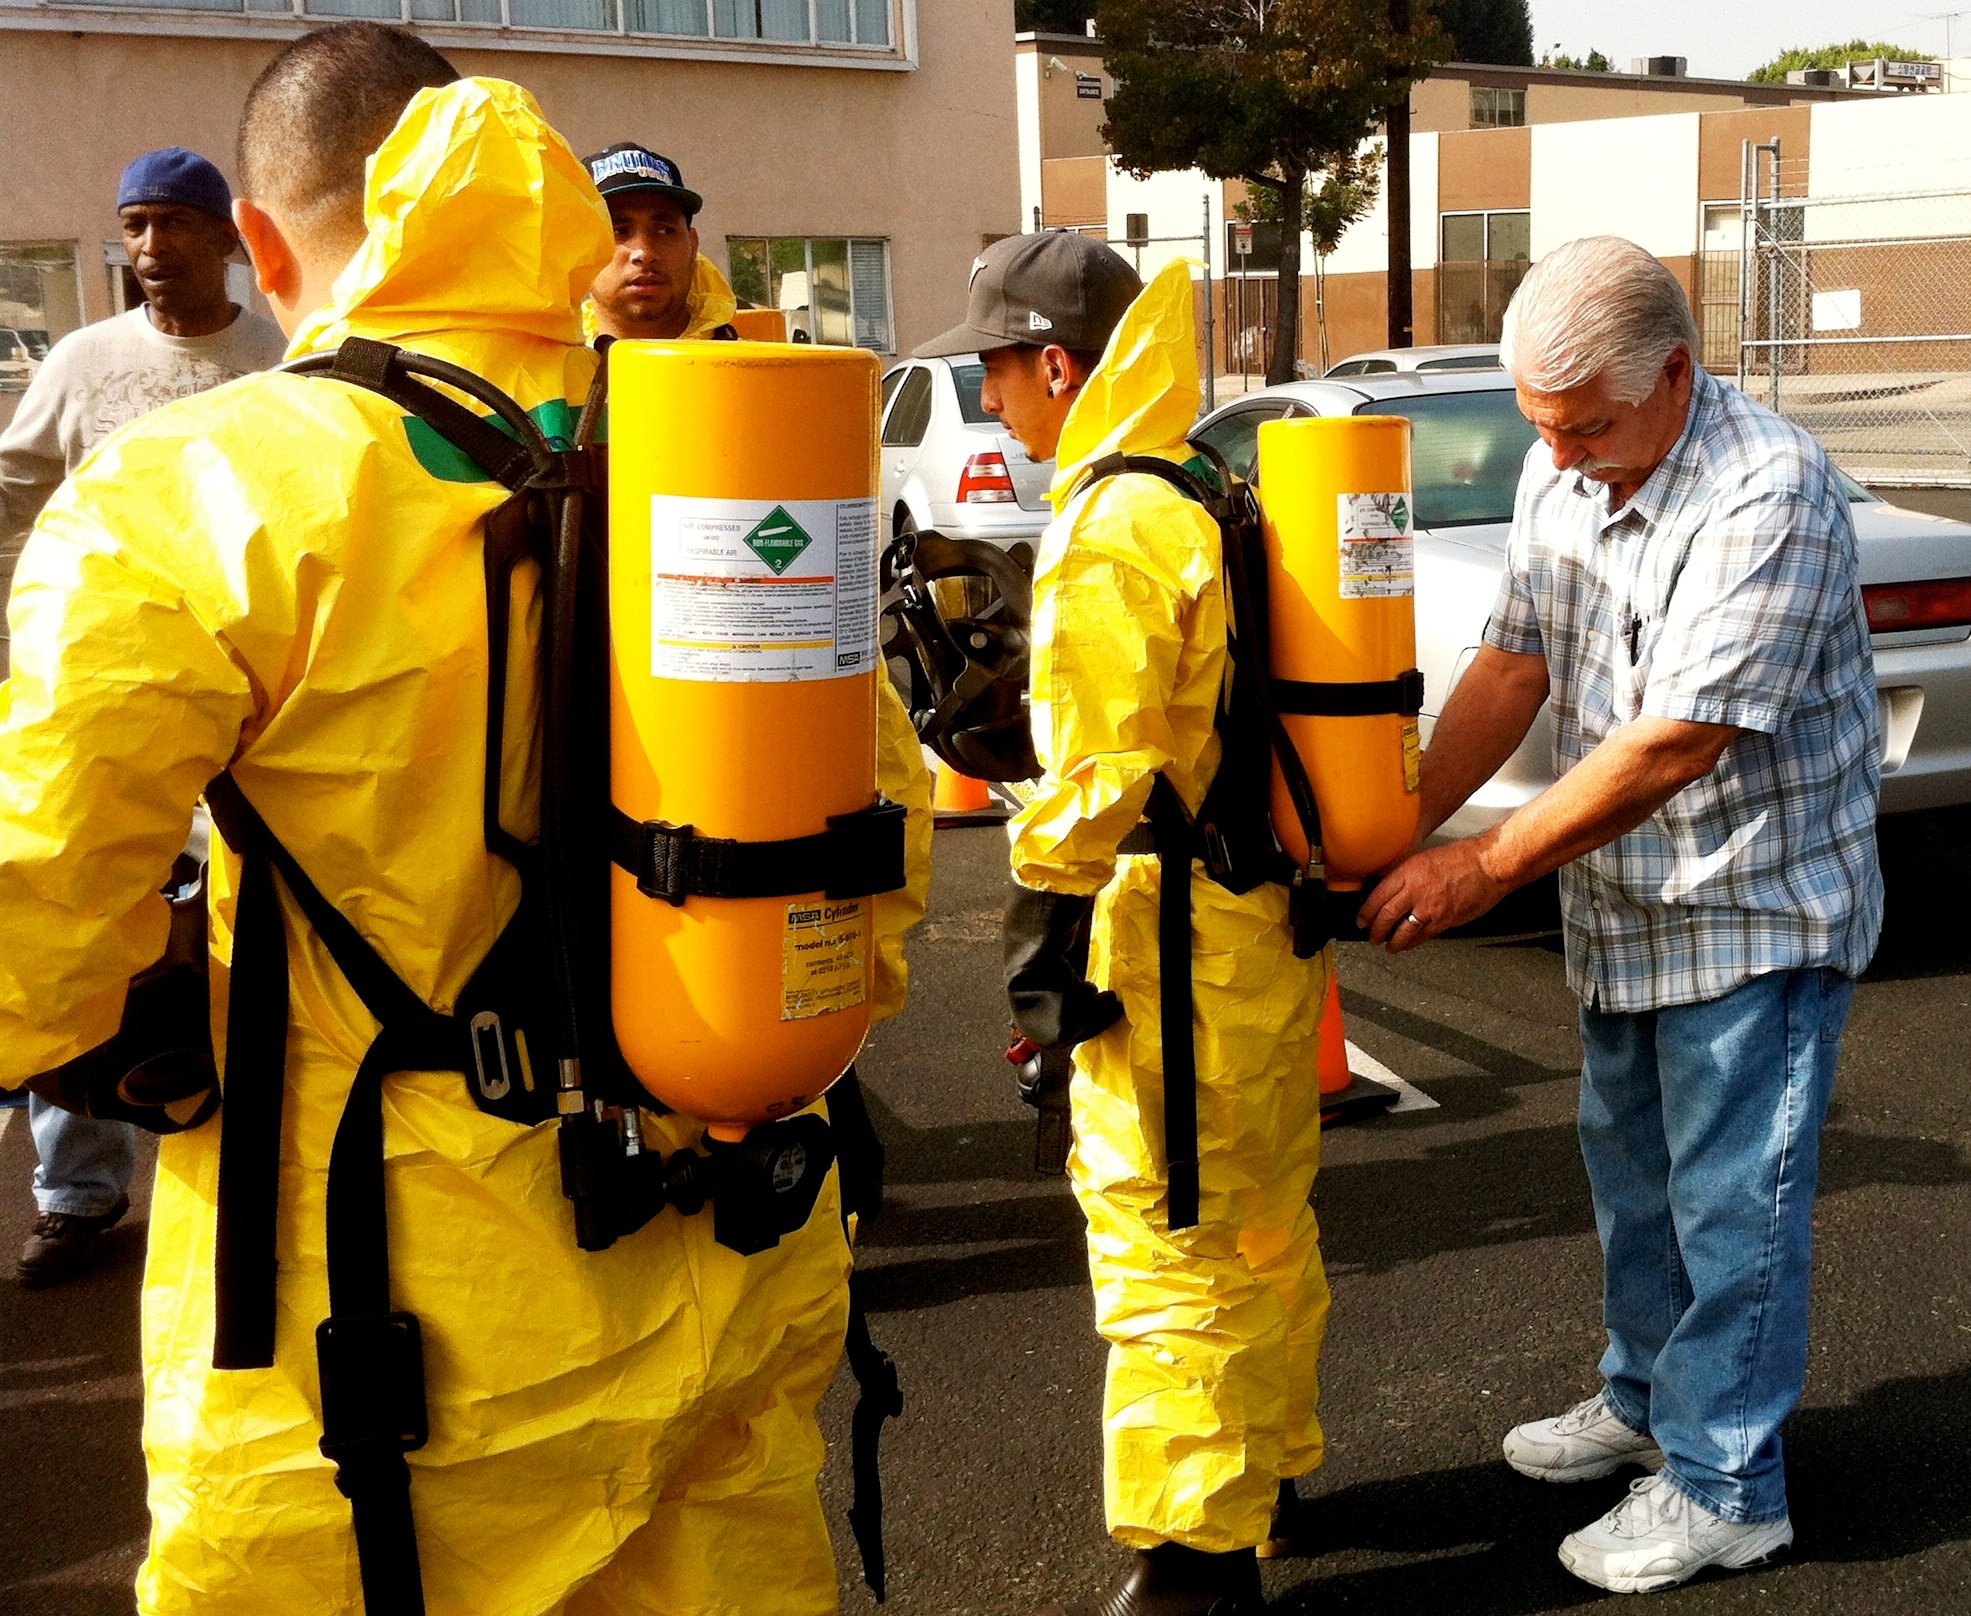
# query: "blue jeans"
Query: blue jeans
1701,1126
84,1164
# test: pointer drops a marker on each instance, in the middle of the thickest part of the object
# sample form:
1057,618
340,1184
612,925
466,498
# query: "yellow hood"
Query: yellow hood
1143,397
480,219
711,303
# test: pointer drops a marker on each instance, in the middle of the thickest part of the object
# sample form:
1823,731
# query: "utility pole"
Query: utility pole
1396,129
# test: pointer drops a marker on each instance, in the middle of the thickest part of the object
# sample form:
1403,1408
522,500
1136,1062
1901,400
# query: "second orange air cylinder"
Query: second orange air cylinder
1340,521
742,593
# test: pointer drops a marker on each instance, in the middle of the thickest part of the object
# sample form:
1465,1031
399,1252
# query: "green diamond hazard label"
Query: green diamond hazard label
778,540
1399,514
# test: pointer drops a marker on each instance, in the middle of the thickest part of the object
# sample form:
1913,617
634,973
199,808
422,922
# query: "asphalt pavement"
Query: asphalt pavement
1466,1275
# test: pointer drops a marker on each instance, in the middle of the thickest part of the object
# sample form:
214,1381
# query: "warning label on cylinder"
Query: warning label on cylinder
824,957
1412,754
1378,545
749,590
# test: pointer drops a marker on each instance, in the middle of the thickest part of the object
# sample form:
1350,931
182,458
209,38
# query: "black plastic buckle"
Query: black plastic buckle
372,1372
1410,692
663,868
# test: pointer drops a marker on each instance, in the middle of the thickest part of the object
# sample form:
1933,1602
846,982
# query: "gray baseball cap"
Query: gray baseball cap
1028,291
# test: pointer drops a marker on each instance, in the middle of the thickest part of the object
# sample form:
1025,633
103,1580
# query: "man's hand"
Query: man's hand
1428,893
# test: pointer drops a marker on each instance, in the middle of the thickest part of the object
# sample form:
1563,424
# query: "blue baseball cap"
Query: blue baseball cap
630,167
176,175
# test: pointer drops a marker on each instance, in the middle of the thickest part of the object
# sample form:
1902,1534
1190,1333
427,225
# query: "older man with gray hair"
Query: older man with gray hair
1680,584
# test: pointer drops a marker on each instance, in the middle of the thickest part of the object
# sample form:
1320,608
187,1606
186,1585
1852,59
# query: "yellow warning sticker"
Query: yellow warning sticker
824,957
1412,753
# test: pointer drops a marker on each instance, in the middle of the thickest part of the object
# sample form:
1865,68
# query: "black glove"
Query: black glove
157,1071
1046,951
1043,1076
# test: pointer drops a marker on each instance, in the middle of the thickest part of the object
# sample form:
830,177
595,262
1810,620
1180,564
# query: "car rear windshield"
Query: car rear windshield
1465,453
968,379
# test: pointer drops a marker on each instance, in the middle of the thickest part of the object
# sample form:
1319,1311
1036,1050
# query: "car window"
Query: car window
1348,367
1462,362
890,383
1236,435
910,411
1465,453
1365,367
968,379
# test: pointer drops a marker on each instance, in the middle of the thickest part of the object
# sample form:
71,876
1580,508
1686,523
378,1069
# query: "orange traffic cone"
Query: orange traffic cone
1335,1076
958,799
1344,1096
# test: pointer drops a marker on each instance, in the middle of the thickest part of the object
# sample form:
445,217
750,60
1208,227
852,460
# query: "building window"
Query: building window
1482,258
1495,108
836,289
40,303
864,24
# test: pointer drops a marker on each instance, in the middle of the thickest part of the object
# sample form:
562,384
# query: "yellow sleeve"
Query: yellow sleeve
902,777
120,707
1110,676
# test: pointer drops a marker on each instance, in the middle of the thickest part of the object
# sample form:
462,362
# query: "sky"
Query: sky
1728,38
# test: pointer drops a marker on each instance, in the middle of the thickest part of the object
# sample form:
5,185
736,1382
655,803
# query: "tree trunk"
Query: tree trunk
1321,305
1286,324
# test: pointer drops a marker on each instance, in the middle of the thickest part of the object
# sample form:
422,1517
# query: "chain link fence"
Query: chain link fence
1849,314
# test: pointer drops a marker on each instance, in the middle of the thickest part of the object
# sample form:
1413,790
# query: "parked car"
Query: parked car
21,353
1401,361
1468,443
948,465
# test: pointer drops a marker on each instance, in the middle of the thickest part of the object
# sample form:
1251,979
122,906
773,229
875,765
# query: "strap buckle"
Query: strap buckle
372,1373
664,861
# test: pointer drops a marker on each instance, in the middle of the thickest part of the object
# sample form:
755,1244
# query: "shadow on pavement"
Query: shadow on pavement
1926,875
1878,1479
71,1413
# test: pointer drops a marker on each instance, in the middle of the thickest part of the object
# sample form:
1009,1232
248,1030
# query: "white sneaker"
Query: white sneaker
1658,1537
1584,1444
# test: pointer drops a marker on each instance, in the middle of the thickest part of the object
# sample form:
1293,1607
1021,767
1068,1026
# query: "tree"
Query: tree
1856,50
1593,62
1498,31
1332,202
1052,16
1264,91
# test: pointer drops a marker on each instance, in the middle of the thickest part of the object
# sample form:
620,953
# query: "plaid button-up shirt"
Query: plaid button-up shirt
1724,592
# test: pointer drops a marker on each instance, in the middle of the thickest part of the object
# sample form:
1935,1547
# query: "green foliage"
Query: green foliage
1331,200
1856,50
1052,16
1593,62
1498,31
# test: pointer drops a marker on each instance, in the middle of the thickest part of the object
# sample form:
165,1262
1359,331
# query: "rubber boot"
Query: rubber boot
1171,1580
1291,1535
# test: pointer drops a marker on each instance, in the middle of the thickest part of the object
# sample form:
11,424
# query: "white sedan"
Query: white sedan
948,465
1468,442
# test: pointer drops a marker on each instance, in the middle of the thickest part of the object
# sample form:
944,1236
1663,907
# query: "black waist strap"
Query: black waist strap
1364,698
1172,828
858,855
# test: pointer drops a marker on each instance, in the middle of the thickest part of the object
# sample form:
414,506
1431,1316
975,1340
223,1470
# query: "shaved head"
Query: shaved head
317,112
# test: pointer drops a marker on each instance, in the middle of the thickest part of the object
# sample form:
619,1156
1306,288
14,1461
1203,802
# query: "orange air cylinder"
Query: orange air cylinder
760,325
1340,518
742,599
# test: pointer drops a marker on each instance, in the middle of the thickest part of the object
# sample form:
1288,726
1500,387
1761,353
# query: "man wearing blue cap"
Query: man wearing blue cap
187,336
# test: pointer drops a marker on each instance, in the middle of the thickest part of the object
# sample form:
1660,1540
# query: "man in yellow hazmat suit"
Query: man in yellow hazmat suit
268,576
1214,1329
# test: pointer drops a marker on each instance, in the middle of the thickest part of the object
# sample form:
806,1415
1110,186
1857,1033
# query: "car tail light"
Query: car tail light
985,480
1933,603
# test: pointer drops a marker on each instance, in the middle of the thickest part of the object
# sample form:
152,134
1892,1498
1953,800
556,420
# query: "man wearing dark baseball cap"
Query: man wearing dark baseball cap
1204,1254
659,285
1039,312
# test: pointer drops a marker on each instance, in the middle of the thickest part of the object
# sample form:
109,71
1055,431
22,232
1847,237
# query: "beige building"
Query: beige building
1473,133
853,154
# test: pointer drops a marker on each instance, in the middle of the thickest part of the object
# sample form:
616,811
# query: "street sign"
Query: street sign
1242,240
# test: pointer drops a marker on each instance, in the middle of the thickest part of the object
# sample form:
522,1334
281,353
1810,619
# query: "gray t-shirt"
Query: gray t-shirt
94,381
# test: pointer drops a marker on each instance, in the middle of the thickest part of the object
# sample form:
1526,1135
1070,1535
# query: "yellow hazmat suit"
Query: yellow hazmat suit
1214,1331
708,305
269,576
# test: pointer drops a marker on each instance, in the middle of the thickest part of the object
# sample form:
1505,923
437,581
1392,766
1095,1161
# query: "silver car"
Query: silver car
948,465
1468,443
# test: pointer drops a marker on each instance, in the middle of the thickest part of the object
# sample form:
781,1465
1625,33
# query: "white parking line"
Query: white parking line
1409,1096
